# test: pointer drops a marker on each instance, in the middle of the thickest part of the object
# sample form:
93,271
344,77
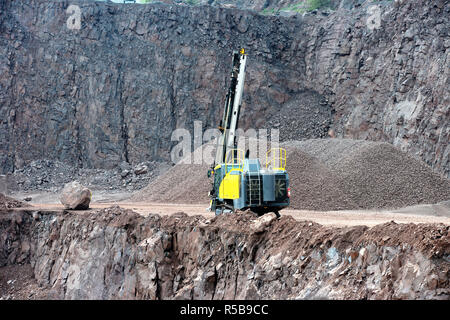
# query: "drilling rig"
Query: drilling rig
239,182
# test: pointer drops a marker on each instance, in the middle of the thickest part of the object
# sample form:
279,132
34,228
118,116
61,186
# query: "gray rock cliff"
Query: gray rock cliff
115,89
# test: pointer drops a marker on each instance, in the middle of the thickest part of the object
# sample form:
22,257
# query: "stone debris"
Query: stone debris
262,223
337,174
140,169
8,202
51,175
17,282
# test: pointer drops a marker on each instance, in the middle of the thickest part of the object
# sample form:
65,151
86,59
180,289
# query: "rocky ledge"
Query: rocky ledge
118,254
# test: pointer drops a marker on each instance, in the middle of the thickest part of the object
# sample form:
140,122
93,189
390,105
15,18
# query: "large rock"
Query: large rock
76,197
141,169
262,223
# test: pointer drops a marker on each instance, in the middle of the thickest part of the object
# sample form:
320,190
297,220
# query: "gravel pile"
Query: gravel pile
183,183
313,185
355,174
326,174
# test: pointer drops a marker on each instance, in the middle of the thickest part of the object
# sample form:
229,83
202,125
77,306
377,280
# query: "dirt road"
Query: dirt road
439,213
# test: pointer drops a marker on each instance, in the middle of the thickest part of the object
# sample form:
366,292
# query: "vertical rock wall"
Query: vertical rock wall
117,254
116,89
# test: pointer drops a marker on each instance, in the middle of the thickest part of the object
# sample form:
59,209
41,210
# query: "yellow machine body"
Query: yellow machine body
230,185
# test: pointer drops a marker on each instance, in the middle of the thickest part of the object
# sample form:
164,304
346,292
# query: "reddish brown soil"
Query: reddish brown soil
327,218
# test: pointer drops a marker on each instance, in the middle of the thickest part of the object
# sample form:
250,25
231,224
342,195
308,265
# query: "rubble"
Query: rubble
8,202
336,174
140,169
17,282
51,175
261,224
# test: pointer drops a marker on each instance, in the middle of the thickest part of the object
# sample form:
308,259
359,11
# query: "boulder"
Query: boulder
76,197
262,223
124,173
140,169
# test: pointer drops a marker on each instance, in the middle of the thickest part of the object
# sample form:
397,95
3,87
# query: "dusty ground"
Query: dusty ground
44,197
427,213
438,213
8,202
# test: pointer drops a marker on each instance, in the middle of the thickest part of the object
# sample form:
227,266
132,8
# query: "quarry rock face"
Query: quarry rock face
76,197
117,254
115,89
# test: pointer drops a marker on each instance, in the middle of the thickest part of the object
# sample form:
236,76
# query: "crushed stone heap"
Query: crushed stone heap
326,174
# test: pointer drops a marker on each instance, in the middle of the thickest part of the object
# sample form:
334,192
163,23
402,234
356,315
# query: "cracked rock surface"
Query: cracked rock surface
116,89
118,254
